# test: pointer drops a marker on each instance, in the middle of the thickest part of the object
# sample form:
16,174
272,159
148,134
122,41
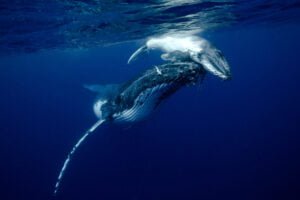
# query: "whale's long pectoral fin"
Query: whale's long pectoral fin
71,153
212,61
137,53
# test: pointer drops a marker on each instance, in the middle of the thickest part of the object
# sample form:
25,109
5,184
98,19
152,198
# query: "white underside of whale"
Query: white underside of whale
177,43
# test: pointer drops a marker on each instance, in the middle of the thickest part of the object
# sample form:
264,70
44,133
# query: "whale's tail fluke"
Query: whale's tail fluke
71,153
138,52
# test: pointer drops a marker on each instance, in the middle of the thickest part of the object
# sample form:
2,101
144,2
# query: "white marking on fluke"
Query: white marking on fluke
71,153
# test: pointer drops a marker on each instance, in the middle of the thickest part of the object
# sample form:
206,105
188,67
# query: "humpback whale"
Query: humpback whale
137,98
191,48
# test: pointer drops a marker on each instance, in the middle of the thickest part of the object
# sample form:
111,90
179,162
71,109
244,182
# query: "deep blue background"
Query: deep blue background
221,140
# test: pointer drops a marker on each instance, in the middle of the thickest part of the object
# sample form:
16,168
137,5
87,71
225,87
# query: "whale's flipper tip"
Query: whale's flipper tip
71,153
138,52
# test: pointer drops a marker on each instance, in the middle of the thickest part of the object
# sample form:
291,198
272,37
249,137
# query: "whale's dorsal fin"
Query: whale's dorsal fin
104,91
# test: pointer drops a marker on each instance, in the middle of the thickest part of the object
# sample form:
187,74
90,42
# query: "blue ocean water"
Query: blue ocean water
234,139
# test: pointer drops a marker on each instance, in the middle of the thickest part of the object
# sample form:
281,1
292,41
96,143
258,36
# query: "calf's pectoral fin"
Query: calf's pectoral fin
137,53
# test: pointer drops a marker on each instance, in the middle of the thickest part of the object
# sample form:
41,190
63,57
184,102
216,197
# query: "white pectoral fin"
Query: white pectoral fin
71,153
138,52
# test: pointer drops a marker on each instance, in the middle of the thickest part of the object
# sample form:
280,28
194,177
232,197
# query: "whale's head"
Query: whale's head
212,61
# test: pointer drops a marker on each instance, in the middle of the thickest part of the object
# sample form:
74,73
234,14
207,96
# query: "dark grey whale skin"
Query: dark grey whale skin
136,99
176,75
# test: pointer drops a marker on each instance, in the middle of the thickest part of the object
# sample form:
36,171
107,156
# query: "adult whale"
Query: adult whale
192,48
136,99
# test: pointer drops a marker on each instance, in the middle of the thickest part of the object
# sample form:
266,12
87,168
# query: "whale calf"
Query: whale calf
136,99
192,48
